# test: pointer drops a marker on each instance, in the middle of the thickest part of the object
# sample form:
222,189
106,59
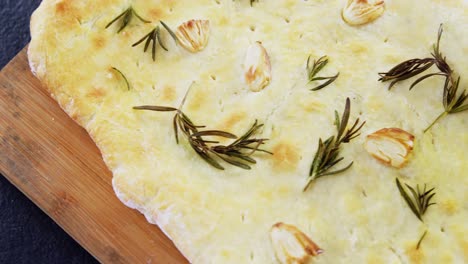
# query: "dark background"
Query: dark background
27,235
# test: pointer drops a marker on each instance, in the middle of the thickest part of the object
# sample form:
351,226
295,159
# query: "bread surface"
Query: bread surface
216,216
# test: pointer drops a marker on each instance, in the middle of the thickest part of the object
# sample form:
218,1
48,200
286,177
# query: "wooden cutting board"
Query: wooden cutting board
55,163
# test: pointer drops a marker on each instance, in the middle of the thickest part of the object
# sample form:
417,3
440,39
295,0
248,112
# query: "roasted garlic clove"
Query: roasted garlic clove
291,245
391,146
193,34
257,68
359,12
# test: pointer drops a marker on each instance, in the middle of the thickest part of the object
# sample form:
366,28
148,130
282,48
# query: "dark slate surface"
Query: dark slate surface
27,235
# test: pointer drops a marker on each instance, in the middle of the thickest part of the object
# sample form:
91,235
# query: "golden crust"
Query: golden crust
224,217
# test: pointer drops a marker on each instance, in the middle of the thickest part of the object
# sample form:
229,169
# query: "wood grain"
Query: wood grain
55,163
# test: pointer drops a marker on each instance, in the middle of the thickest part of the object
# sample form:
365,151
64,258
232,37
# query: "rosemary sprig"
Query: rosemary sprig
327,153
410,68
314,68
413,67
123,76
126,16
154,37
420,201
238,153
421,239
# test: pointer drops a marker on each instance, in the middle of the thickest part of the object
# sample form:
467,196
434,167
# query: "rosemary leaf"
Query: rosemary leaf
169,30
156,108
123,76
217,133
234,162
421,239
158,36
208,158
425,77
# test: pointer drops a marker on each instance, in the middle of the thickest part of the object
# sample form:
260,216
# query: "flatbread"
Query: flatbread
215,216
